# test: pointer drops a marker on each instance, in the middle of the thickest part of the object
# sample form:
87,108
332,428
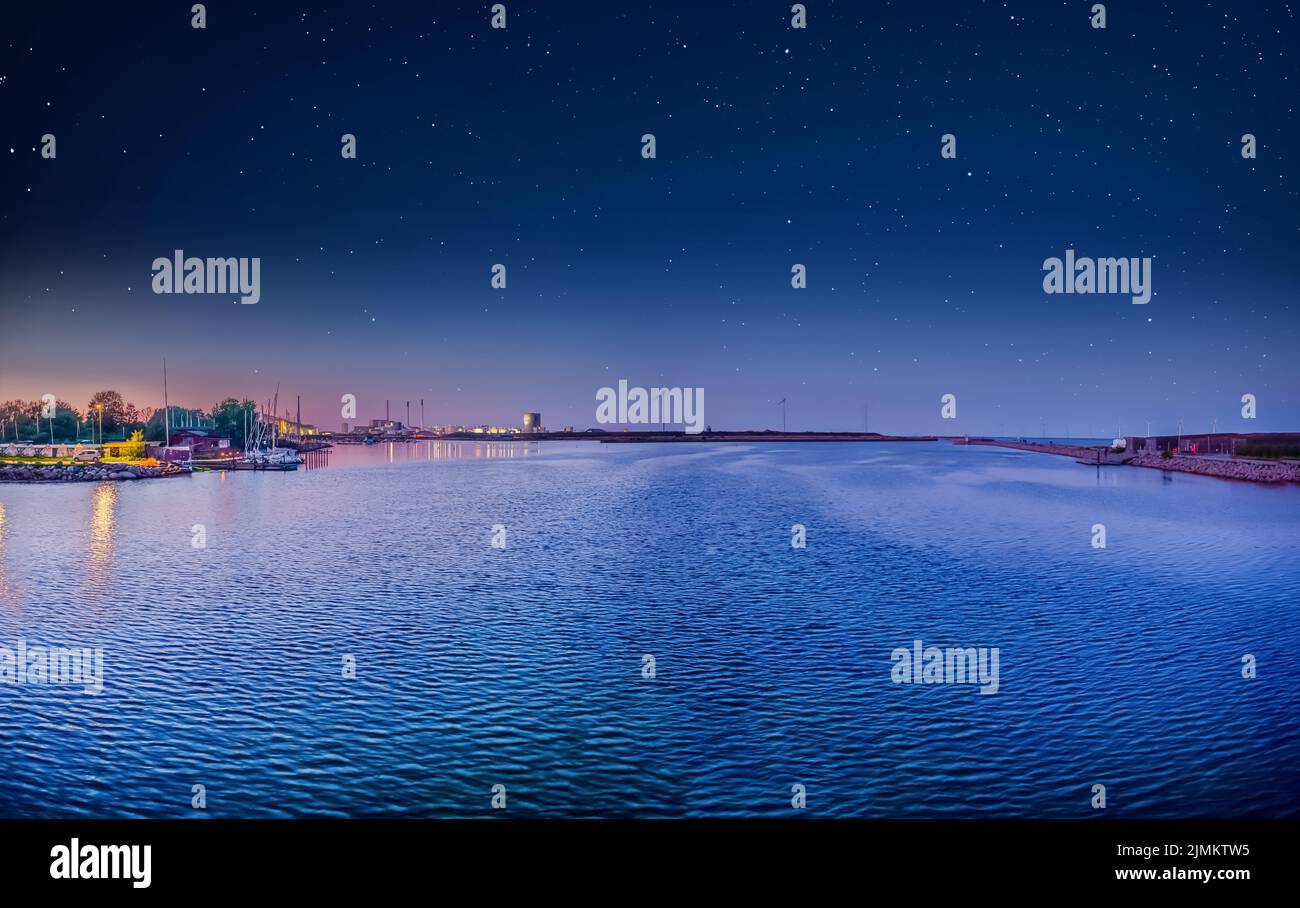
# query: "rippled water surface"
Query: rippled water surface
522,666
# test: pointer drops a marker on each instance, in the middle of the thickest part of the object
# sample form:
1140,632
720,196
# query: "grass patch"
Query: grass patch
1269,452
64,461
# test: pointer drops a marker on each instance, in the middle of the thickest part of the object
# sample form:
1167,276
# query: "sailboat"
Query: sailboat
262,452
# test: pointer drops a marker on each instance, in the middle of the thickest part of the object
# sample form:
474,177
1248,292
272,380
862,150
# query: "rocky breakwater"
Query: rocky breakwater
1078,452
1249,470
84,472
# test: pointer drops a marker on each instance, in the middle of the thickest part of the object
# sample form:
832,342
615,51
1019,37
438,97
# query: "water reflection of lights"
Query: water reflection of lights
459,450
102,517
4,579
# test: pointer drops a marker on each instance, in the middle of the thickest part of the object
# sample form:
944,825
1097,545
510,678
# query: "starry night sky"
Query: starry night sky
775,146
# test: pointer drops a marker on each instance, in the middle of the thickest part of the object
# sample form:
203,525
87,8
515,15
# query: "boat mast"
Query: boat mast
167,409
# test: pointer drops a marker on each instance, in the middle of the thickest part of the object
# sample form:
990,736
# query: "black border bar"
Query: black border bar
945,859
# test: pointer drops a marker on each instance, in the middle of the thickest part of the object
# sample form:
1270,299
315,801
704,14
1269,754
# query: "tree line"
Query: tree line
29,421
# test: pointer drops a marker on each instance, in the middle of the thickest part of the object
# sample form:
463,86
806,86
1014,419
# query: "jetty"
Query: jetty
1247,469
1205,455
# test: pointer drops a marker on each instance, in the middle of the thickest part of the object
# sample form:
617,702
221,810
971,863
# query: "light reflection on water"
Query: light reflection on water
100,548
522,665
401,452
6,594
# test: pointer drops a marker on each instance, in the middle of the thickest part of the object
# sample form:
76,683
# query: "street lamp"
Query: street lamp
100,408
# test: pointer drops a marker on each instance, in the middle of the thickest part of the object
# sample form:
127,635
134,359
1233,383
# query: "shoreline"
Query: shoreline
660,437
1267,472
1076,451
643,437
1257,471
85,472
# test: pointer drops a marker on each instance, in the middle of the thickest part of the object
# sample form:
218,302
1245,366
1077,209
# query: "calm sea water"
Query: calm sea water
478,666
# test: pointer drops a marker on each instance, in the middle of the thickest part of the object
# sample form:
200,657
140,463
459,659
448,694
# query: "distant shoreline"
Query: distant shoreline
640,437
657,437
1240,469
1245,469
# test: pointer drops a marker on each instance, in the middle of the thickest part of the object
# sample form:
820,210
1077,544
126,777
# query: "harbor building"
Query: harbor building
1231,444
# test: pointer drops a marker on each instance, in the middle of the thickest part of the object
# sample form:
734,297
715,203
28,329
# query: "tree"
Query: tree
228,419
113,407
155,427
158,422
134,448
134,420
16,415
65,422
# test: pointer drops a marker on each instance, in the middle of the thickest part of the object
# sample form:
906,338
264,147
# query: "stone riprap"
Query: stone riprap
84,472
1249,470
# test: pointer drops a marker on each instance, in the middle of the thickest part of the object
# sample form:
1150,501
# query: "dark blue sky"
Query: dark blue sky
775,146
